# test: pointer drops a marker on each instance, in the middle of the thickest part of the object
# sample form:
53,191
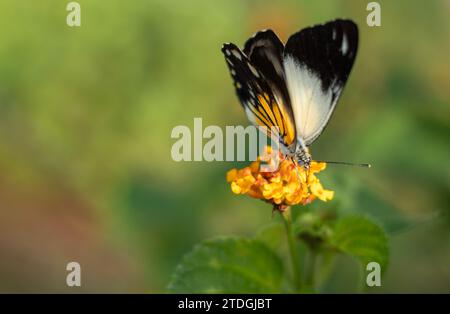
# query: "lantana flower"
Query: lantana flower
288,185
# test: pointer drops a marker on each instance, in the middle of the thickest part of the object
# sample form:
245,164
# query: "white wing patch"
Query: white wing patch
344,46
311,106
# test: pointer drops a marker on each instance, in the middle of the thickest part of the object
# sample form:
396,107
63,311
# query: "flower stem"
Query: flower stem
295,261
310,272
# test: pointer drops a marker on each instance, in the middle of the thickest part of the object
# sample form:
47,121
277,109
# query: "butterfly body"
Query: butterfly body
302,156
293,87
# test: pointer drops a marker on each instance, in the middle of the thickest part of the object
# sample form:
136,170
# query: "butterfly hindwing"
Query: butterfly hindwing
317,62
262,103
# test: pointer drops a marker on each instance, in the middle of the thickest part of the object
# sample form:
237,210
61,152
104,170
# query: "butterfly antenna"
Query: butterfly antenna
346,163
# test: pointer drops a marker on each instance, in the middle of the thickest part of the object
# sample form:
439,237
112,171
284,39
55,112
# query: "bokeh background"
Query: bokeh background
86,115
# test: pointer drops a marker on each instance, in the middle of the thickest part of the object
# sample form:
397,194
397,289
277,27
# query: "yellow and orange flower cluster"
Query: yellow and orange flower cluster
289,185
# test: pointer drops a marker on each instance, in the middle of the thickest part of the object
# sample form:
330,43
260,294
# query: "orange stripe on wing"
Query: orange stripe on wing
278,118
265,106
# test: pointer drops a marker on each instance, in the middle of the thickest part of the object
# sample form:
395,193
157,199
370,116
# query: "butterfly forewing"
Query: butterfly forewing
265,52
263,100
317,62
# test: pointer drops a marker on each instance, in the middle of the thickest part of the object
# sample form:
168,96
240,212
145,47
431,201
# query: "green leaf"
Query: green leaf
360,237
273,235
228,265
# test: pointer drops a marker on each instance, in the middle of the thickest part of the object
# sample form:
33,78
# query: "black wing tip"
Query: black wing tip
347,24
228,47
266,35
339,21
263,31
225,46
342,21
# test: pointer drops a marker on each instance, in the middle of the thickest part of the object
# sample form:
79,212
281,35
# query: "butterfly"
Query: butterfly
294,87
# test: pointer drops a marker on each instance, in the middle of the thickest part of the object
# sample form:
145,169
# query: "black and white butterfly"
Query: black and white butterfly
294,87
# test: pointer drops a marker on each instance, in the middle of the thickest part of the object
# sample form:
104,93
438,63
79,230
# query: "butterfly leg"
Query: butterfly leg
296,168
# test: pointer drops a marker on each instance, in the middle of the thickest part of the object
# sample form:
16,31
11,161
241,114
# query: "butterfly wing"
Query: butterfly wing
317,62
265,52
259,89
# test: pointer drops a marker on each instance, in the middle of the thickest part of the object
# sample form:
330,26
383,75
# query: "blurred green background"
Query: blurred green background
86,115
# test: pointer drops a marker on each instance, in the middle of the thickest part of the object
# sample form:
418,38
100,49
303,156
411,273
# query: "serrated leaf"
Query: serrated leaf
360,237
228,265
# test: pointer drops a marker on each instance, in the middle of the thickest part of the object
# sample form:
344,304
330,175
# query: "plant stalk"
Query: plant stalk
295,261
311,269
